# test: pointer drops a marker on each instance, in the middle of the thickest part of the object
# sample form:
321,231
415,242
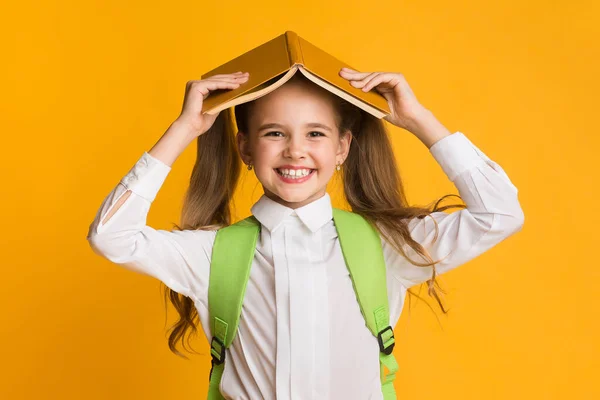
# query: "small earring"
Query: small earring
338,166
249,167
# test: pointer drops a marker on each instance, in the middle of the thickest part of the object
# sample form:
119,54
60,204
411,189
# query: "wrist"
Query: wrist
426,127
184,128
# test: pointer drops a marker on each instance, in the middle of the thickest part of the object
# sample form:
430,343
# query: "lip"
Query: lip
299,180
293,167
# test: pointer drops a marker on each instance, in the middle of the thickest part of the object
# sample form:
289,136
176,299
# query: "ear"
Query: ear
344,146
243,147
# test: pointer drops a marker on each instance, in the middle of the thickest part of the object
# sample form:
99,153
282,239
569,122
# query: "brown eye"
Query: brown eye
269,133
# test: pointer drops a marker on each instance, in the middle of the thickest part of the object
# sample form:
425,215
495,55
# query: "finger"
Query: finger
351,70
204,85
222,78
374,81
215,85
229,76
362,82
212,82
369,79
228,79
238,73
390,79
353,75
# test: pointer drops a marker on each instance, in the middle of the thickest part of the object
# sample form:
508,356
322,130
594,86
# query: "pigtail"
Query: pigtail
374,189
214,177
207,205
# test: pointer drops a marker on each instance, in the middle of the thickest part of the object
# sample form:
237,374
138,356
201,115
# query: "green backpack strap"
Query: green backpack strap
232,255
361,246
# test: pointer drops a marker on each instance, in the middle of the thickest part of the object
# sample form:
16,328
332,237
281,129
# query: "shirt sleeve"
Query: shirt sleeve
180,259
493,213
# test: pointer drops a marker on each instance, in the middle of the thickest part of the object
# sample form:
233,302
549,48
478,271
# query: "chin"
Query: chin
293,197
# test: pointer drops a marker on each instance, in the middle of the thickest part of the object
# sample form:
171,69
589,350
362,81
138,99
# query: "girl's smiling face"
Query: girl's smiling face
294,143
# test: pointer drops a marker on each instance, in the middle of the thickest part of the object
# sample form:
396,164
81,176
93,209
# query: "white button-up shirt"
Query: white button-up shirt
301,333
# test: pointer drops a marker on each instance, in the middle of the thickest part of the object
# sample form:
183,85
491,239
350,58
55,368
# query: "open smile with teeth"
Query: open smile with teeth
294,173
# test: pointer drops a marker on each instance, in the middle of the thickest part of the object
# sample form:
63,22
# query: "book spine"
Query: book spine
293,48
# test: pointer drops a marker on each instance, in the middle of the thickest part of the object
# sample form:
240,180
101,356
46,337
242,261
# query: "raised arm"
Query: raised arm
119,233
180,259
493,213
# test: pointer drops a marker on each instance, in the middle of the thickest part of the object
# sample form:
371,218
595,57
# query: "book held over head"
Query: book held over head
273,63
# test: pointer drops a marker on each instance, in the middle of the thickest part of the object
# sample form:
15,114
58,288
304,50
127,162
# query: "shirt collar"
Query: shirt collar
314,215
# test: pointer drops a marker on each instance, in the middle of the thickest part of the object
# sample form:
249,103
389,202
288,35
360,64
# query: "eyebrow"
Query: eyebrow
309,125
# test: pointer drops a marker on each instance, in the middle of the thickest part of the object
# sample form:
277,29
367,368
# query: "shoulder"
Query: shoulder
196,241
247,224
249,221
345,215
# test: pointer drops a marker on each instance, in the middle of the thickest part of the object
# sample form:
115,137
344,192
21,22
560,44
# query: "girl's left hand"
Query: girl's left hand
404,106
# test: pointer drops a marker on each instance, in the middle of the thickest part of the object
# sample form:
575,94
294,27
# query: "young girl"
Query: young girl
301,334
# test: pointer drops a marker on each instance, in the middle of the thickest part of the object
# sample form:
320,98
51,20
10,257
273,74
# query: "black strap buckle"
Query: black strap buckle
390,346
217,352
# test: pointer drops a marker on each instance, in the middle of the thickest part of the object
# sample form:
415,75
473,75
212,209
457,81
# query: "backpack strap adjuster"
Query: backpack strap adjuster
217,351
386,346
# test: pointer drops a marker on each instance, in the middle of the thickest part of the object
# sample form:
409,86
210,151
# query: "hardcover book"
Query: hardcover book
273,63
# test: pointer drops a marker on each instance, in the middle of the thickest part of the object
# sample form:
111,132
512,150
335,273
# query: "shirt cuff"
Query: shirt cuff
455,154
146,177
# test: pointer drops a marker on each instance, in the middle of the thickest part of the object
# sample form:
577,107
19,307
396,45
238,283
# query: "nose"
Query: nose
295,147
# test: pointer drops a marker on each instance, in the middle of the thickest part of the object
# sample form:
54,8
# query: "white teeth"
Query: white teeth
294,173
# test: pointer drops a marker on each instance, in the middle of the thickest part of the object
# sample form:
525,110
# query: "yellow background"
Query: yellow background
87,86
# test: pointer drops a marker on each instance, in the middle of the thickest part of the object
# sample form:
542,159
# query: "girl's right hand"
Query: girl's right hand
197,91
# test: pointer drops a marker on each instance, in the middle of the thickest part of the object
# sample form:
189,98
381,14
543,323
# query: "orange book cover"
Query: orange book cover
273,63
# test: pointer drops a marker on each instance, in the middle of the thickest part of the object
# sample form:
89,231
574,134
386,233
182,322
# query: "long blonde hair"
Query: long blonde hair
372,185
